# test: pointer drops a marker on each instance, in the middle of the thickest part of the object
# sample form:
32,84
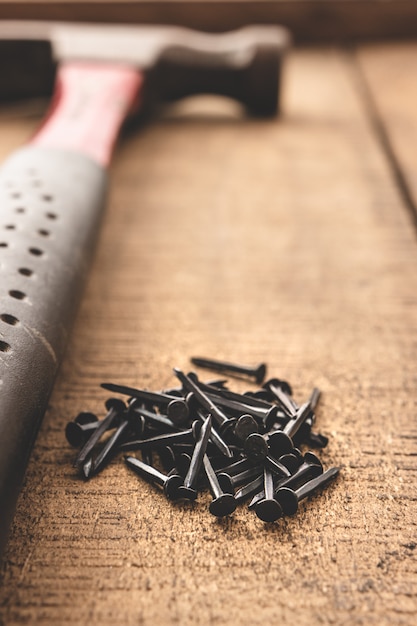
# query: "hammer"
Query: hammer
52,191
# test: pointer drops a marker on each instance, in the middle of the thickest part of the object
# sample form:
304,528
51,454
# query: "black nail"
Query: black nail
115,408
188,448
85,417
258,372
78,431
221,419
268,509
309,468
156,419
236,467
176,409
314,398
87,468
271,386
276,421
316,440
257,447
276,466
246,425
229,482
285,401
289,498
137,422
168,439
265,415
109,448
290,461
261,394
249,489
280,441
170,483
216,439
222,503
294,424
187,490
243,398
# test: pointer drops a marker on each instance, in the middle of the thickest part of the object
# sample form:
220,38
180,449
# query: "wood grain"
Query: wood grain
286,241
309,20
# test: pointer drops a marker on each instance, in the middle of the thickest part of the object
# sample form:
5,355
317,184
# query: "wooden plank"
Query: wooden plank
284,240
309,20
387,75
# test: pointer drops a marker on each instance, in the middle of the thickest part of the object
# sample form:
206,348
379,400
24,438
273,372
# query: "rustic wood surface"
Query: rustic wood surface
288,241
309,20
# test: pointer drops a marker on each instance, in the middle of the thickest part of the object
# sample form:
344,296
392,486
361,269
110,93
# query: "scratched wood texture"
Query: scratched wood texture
309,20
289,241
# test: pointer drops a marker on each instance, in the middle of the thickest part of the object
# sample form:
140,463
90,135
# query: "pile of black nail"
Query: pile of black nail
201,434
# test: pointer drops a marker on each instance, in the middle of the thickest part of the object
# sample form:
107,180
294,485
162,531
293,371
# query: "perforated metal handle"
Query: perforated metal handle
50,207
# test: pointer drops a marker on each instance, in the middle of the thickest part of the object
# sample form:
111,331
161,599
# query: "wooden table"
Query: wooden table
289,240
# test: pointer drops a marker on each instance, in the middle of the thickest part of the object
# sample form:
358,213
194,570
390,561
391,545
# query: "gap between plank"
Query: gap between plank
379,127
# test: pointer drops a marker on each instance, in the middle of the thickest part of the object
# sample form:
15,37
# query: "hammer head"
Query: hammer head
244,64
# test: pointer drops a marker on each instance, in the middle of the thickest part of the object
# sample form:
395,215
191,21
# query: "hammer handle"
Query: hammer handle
90,103
51,198
51,204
